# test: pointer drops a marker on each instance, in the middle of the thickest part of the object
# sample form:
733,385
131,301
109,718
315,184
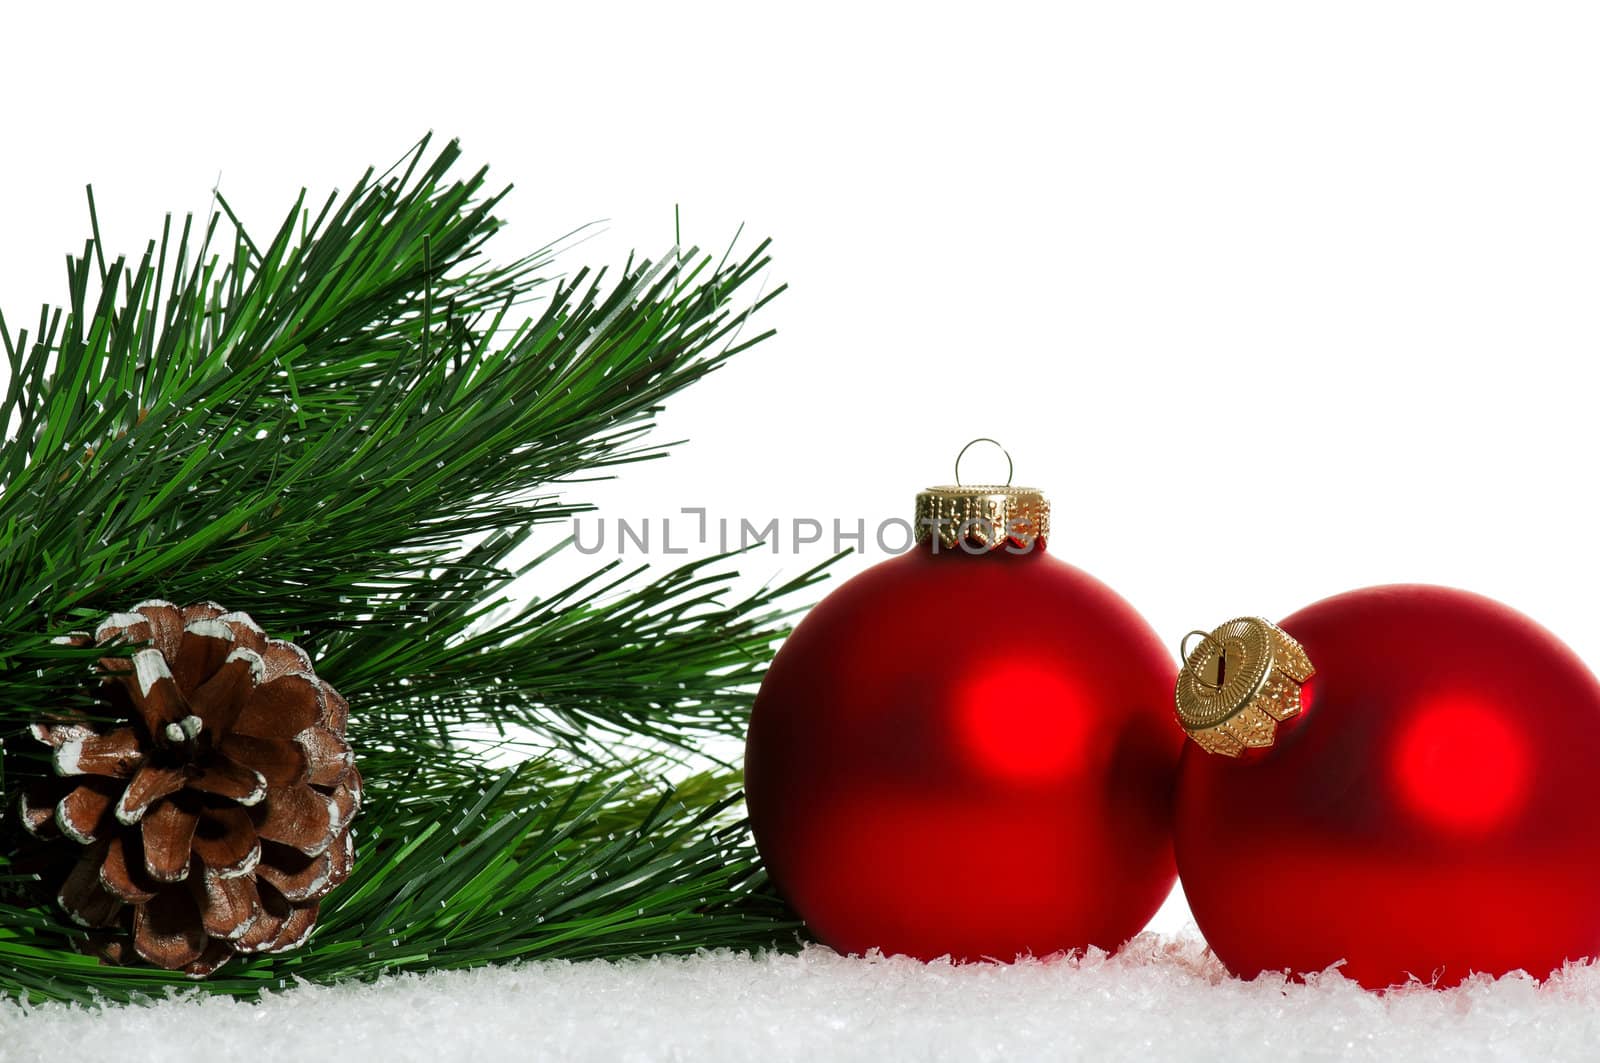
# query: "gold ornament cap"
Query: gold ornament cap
1239,683
982,516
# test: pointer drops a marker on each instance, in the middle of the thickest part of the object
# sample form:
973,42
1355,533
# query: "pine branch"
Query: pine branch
537,864
292,417
668,660
345,430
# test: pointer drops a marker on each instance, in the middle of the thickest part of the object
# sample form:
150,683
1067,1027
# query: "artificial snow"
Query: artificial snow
1159,998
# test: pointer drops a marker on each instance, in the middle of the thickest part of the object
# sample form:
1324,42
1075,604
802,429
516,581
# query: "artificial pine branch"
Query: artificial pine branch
303,386
537,863
666,659
346,430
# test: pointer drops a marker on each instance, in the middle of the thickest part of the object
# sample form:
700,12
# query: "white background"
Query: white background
1275,299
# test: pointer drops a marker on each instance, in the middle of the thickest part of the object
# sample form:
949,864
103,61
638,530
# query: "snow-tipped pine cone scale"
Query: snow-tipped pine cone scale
214,815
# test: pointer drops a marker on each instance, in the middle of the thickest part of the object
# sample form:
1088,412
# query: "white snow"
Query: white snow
69,756
209,628
1160,998
258,667
117,621
150,667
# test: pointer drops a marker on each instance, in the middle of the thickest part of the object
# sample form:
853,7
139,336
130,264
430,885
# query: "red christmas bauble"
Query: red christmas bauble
1426,814
968,756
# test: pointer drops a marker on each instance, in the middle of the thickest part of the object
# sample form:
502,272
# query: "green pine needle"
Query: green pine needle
346,429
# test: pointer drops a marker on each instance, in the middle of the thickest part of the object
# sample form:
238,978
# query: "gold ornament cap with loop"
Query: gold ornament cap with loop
982,517
1239,683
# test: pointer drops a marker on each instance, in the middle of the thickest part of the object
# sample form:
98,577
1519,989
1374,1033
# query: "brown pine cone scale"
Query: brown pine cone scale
214,815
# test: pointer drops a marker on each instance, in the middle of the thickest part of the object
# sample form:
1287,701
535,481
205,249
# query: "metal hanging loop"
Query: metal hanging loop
1183,655
1010,469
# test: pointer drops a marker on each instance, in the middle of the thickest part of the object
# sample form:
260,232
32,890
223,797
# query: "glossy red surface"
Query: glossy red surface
1428,814
968,755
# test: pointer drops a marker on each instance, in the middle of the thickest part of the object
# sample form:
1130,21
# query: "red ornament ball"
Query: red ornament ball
1428,813
967,755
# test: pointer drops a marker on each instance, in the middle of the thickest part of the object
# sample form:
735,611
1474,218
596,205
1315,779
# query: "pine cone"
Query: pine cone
214,814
